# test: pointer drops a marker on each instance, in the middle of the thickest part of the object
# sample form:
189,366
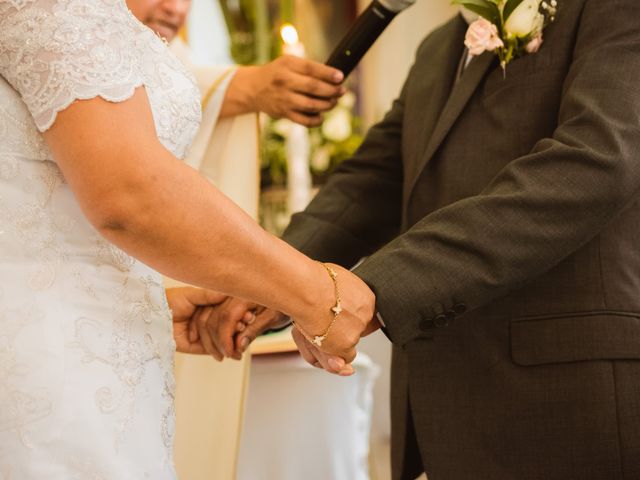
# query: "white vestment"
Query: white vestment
224,150
210,396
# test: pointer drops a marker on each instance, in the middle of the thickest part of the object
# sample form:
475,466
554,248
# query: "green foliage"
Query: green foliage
239,17
273,156
488,9
327,148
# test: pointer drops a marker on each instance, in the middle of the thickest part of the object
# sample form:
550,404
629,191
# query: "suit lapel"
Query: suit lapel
458,98
436,78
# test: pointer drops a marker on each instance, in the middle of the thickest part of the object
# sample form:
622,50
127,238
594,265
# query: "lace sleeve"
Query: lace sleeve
56,51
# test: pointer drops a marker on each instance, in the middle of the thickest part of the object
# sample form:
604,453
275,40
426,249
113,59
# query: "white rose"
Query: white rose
525,19
282,127
348,100
337,126
321,159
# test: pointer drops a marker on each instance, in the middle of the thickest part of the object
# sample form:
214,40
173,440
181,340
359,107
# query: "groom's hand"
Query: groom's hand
191,307
228,319
235,323
265,319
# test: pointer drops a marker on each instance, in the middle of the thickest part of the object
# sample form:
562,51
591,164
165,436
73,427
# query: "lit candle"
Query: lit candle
292,44
297,143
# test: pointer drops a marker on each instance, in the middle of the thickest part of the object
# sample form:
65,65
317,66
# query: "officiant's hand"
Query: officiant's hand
288,87
191,307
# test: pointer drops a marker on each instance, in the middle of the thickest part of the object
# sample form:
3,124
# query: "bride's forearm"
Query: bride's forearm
154,207
188,230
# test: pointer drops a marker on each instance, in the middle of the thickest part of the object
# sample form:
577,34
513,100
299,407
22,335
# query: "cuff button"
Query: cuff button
426,324
460,308
440,321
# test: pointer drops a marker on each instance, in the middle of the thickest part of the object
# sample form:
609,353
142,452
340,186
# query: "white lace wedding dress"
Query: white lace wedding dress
86,380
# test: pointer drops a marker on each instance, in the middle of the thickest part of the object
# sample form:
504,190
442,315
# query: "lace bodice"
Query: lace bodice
86,348
54,52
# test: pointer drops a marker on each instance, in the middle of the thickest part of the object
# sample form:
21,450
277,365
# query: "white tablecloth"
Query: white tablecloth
304,424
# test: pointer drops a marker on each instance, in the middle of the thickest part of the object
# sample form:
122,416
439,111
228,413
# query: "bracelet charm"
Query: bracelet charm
336,310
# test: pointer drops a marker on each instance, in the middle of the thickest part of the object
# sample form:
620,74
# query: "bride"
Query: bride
94,203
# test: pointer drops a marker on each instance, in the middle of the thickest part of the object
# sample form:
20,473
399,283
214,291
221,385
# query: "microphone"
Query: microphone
364,31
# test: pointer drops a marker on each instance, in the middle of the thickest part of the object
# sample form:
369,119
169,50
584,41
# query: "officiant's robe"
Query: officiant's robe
501,219
224,150
210,395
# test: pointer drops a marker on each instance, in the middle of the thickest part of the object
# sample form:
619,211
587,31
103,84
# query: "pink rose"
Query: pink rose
534,44
482,36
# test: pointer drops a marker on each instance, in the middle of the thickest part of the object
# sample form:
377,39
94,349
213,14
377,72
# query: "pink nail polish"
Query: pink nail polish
336,363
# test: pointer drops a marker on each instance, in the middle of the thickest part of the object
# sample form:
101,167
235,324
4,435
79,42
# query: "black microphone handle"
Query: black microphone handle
362,34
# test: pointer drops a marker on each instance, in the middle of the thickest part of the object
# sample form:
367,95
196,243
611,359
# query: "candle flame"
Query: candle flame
289,34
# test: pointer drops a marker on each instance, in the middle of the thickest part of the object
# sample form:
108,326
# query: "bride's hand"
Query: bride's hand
355,319
319,359
191,308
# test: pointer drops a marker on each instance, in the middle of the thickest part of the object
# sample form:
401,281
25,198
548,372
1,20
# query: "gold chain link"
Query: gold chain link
336,310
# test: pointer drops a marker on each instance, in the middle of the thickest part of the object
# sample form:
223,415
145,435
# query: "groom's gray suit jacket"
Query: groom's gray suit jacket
501,221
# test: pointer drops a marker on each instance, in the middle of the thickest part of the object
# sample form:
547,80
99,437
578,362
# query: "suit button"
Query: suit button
460,308
440,321
426,324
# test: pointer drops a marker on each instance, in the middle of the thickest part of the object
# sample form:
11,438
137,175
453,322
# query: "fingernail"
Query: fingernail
336,364
338,76
241,326
244,343
347,371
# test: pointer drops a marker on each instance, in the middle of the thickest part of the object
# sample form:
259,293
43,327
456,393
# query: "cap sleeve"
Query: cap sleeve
54,52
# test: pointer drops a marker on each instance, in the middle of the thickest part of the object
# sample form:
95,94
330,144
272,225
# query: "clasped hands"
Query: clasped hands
206,322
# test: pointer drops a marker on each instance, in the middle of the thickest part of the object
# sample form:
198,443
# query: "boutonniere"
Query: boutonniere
509,28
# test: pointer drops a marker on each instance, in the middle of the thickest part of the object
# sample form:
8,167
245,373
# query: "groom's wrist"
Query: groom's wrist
279,325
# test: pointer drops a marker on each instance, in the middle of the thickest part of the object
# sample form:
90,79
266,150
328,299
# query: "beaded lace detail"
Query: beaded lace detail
54,52
86,348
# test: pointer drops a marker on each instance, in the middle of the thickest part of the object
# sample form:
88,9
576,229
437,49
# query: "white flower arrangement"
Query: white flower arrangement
334,141
509,28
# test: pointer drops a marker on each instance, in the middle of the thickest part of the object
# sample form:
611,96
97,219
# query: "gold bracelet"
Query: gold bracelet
336,310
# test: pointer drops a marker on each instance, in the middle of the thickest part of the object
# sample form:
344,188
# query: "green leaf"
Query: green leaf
509,7
484,8
480,3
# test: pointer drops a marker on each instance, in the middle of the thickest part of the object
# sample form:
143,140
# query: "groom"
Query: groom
501,224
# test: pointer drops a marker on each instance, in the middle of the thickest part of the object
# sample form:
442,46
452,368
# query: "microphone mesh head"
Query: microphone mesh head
396,5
